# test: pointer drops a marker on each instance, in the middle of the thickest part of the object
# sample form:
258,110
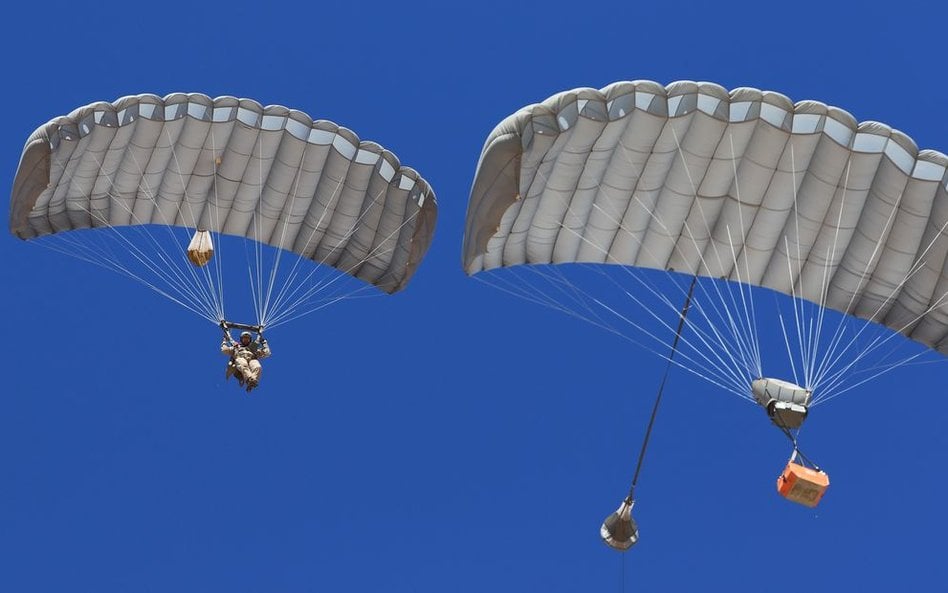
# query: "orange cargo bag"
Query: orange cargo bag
802,484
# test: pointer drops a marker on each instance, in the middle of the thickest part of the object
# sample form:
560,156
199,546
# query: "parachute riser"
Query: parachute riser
229,325
796,448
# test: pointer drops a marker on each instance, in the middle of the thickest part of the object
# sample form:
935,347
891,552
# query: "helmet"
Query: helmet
245,335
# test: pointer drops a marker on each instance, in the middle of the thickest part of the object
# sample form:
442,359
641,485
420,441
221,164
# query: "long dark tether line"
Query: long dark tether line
658,400
661,388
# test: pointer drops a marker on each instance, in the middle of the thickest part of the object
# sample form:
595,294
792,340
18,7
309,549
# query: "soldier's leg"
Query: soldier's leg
242,367
255,369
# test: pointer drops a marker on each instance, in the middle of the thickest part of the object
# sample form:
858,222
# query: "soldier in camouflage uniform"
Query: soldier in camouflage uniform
245,358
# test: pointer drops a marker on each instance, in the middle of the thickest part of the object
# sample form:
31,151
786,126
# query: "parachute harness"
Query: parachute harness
661,389
226,326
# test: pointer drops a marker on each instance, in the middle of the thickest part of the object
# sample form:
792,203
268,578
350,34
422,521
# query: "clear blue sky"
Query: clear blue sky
449,438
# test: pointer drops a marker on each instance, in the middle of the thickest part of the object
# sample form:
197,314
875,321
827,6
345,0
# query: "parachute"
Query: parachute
744,186
742,189
644,175
223,166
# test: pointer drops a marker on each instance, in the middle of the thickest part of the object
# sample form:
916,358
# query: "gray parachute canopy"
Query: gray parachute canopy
232,166
680,177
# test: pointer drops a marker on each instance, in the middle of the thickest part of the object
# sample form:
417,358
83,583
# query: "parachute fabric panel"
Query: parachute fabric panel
676,177
231,166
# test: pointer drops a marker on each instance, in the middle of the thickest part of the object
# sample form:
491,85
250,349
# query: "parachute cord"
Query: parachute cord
661,388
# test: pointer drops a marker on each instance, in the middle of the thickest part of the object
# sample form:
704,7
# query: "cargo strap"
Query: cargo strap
661,387
796,446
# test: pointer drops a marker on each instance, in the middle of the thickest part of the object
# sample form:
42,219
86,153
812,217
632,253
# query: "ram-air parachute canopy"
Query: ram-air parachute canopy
848,215
741,189
226,166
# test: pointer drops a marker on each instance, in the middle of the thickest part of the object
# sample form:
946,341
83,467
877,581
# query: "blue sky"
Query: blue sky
449,437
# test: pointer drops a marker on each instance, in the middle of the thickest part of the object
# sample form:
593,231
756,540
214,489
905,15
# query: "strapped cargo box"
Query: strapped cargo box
803,485
201,248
